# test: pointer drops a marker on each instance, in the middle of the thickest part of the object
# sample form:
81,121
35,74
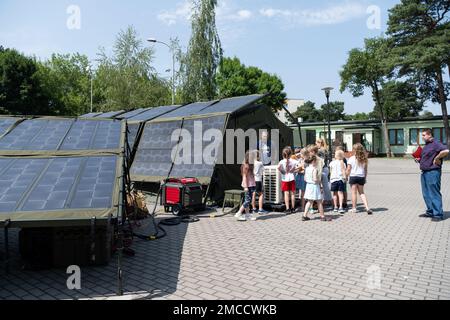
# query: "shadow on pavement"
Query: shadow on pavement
152,272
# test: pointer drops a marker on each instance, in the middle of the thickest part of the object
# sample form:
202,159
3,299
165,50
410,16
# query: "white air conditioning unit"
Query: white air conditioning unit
272,186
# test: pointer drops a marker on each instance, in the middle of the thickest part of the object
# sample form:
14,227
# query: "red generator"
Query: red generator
180,195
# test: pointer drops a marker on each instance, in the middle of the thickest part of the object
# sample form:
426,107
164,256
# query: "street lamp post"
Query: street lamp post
89,69
327,94
173,65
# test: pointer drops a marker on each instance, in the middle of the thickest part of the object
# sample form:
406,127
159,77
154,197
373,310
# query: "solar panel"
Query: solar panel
159,140
231,105
110,115
133,129
93,135
91,115
37,134
5,124
202,169
153,157
153,113
186,111
130,114
29,185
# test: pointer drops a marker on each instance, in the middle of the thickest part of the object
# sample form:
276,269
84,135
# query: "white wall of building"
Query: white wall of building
292,105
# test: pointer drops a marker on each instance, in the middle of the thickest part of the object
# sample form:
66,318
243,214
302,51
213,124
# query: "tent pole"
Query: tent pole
93,226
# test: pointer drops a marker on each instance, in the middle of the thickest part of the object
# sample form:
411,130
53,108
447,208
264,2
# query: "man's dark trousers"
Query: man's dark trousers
431,190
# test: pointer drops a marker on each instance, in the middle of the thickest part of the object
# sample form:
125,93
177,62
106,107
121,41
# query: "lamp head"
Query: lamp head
327,91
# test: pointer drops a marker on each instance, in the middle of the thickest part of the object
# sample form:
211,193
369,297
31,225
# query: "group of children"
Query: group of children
311,176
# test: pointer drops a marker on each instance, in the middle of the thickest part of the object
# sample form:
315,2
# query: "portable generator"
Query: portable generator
180,195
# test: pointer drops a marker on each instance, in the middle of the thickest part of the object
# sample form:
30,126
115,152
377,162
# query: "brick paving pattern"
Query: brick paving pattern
278,257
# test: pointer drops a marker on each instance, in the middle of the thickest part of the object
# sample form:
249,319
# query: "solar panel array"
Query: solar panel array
63,134
159,141
45,186
56,183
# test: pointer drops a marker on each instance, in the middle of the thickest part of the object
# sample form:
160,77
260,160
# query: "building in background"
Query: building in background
292,105
404,135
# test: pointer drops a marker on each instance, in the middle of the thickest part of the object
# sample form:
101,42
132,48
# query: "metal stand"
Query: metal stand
93,227
6,227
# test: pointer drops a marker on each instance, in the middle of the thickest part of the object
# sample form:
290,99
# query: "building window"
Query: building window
310,137
439,134
396,137
415,137
324,135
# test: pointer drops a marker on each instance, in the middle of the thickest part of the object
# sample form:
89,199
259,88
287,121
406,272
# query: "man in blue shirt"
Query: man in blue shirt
431,165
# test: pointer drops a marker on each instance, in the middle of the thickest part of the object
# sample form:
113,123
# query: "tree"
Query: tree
127,80
21,91
427,114
359,116
66,81
308,112
420,32
400,100
200,64
367,68
336,111
235,79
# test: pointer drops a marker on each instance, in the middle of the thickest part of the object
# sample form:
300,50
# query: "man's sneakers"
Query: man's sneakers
336,210
245,217
262,212
341,211
437,219
425,215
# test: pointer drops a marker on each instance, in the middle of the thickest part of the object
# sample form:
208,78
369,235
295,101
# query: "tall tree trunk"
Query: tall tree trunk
387,144
442,100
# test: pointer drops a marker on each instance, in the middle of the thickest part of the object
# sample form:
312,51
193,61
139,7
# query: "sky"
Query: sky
305,43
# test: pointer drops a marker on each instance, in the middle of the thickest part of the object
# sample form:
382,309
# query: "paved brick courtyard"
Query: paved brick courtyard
279,257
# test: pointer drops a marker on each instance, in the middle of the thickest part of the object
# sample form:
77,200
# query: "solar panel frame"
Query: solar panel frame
186,111
231,105
130,114
6,124
153,113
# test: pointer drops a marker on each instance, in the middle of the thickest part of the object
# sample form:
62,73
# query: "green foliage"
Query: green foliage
359,116
200,64
420,36
308,112
127,79
66,80
336,110
400,100
21,89
235,79
369,68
